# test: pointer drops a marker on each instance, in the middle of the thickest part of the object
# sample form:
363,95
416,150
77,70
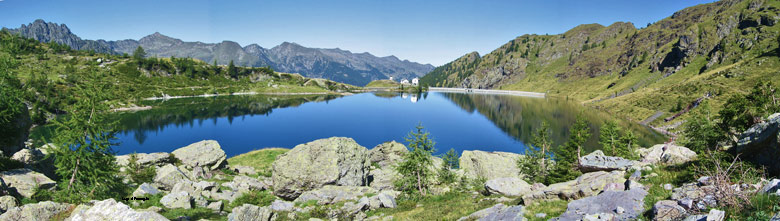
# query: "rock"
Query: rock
589,184
27,156
246,170
696,218
169,175
383,178
668,210
7,202
279,205
112,210
215,206
387,154
177,200
249,212
19,131
226,195
704,181
630,185
333,161
331,194
386,200
598,217
668,186
666,154
540,215
776,217
350,208
508,186
716,215
596,161
24,181
615,186
145,189
489,165
145,159
772,187
622,205
760,143
39,211
686,203
243,184
700,196
497,212
205,153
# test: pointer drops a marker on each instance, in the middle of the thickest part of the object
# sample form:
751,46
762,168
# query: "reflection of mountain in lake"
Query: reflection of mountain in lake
520,117
188,111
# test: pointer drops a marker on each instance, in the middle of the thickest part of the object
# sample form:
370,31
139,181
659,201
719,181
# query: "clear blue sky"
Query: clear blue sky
426,31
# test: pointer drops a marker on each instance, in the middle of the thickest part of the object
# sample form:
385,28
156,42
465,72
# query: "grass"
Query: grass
449,206
383,83
259,198
552,208
261,159
675,175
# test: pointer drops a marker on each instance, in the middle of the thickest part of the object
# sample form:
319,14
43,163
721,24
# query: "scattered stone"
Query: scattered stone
668,186
243,184
249,212
489,165
145,159
686,203
666,154
716,215
145,189
497,212
332,194
38,211
177,200
24,181
169,175
246,170
622,205
337,160
7,202
668,210
205,153
386,201
589,184
699,195
596,161
112,210
507,186
215,206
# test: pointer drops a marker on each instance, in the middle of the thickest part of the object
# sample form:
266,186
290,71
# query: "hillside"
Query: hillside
334,64
720,49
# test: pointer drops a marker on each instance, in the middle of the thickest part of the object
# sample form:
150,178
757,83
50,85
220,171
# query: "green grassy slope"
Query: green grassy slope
383,83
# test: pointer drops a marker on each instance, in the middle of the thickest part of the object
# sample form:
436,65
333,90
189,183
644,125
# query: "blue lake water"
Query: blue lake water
460,121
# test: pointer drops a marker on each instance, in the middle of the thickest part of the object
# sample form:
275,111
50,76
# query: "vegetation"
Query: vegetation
259,198
534,164
449,163
415,169
139,173
383,83
616,144
567,155
261,159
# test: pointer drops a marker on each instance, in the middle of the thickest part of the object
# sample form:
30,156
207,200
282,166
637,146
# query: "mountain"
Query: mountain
716,49
334,64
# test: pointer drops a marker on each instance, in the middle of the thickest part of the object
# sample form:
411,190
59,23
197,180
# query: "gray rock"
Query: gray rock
335,161
386,200
387,154
383,178
596,161
666,154
226,195
686,203
34,212
246,170
145,189
215,206
243,184
776,217
27,156
169,175
24,181
489,165
205,153
249,212
332,194
668,186
112,210
589,184
280,205
704,181
700,195
507,186
716,215
350,208
772,187
760,143
696,218
177,200
7,202
145,159
623,205
497,212
668,210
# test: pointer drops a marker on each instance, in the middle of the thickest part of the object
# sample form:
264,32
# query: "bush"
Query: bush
9,164
259,198
138,173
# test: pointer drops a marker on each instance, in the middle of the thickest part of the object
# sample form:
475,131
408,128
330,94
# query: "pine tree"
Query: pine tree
232,70
449,163
567,155
139,54
609,137
701,133
580,133
534,163
628,144
416,168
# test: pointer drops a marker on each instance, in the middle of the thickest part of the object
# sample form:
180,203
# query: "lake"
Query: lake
455,120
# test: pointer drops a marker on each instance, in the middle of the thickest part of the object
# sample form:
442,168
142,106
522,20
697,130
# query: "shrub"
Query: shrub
138,173
259,198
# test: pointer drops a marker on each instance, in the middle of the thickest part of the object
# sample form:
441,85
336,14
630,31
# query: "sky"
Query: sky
425,31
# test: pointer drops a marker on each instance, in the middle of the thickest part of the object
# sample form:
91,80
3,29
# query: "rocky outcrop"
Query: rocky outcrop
668,210
145,159
388,153
773,187
497,212
243,183
7,202
589,184
145,189
175,200
24,181
666,154
508,186
489,165
621,205
332,194
761,143
42,211
169,175
205,153
596,161
112,210
248,212
333,161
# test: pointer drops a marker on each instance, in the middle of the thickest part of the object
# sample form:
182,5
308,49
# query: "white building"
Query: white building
415,81
404,81
391,78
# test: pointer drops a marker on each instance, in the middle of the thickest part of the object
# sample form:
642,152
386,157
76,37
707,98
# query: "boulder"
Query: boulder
249,212
666,154
761,143
507,186
489,165
169,175
700,196
596,161
205,153
24,181
773,187
383,178
112,210
668,210
145,159
622,205
145,189
332,161
20,124
332,194
387,201
28,156
280,205
716,215
38,211
175,200
7,202
387,154
246,170
215,206
243,183
497,212
589,184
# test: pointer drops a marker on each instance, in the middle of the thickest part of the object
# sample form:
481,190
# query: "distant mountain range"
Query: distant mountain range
334,64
